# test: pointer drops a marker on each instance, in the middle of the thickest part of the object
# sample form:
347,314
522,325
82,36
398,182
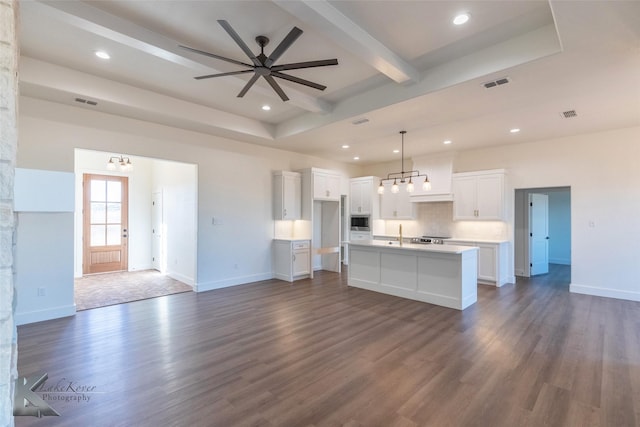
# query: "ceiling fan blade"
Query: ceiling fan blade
308,64
298,80
276,87
239,41
250,83
283,46
231,73
213,55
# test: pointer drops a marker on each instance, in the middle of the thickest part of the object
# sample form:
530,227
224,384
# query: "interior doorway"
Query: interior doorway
160,223
542,230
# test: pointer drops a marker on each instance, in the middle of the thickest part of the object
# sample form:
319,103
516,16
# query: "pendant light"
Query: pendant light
404,176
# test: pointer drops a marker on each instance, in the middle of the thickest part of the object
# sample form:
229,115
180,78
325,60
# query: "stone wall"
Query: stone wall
8,147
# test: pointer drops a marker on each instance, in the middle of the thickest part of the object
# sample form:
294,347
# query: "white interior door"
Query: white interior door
539,233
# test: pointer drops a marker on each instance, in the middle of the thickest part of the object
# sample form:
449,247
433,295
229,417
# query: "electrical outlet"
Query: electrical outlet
235,266
42,292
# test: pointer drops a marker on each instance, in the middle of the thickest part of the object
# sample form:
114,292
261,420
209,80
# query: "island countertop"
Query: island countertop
449,249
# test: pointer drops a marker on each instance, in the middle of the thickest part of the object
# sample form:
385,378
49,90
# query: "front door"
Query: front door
105,217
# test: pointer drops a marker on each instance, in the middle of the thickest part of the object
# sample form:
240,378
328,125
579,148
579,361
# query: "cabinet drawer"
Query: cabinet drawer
300,245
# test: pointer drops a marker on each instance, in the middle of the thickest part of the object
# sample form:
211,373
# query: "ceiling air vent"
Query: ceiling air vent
568,114
360,121
85,101
498,82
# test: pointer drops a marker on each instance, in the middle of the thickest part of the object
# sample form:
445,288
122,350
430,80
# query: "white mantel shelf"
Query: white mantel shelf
444,275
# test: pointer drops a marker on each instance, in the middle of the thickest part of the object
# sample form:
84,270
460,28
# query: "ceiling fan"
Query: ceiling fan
263,66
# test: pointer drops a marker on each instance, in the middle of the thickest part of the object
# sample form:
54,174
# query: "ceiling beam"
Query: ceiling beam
91,19
347,34
60,84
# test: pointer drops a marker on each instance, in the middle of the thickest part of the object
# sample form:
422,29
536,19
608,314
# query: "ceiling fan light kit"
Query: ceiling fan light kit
263,65
404,177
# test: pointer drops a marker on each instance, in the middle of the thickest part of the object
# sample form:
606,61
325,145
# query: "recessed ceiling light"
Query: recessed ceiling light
461,19
266,107
356,158
396,151
102,54
345,146
447,142
514,130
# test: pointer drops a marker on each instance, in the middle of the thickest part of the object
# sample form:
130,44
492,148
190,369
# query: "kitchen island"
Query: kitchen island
444,275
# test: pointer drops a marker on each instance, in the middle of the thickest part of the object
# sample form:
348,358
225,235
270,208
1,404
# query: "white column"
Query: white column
8,147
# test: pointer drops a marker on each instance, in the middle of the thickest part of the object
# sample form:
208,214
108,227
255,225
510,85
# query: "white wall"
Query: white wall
234,179
44,261
603,171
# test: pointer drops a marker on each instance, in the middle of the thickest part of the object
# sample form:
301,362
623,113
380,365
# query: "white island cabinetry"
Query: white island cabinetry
444,275
292,259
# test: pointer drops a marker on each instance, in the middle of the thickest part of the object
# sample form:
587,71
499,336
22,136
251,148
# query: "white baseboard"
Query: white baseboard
181,278
233,281
562,261
48,314
142,267
604,292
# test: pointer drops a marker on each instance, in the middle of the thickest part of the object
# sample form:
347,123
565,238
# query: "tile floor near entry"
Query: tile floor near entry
99,290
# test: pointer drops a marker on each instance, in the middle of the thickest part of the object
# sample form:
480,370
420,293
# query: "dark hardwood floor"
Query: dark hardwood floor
318,353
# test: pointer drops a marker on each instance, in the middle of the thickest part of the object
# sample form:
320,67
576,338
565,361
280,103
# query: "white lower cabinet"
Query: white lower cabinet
360,235
492,260
292,259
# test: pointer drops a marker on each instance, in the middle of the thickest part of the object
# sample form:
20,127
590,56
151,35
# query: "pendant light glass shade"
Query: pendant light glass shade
426,185
394,187
410,186
124,163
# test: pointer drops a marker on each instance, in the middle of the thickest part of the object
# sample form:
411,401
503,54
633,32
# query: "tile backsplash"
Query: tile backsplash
436,219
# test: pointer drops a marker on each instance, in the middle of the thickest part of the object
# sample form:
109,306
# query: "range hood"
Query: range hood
439,169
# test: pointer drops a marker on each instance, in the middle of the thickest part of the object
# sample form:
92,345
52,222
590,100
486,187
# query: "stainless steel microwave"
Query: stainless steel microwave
360,223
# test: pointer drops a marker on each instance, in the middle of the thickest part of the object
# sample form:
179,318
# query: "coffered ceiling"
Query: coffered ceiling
402,65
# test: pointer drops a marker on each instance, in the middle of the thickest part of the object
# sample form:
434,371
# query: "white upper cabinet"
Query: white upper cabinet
479,195
398,205
326,186
364,195
287,195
